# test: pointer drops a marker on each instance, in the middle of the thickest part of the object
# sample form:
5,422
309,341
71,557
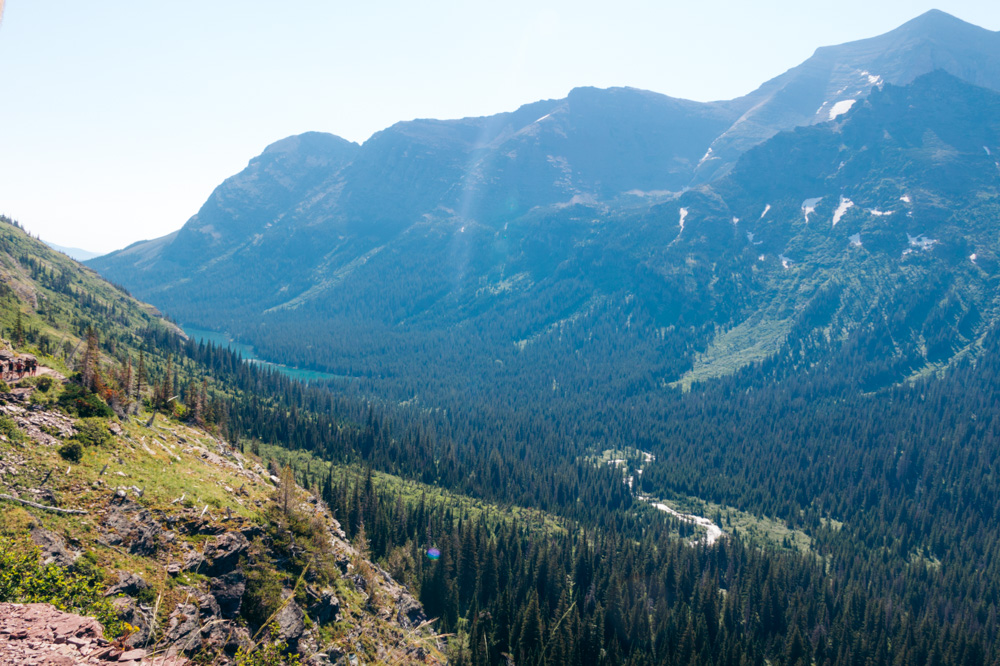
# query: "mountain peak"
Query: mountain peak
310,141
936,19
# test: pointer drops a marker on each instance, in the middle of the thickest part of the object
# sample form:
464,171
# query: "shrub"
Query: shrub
267,653
262,596
71,451
43,383
76,399
24,579
92,432
4,387
8,428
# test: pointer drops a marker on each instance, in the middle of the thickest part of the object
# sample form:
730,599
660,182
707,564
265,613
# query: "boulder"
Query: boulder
409,612
291,622
184,628
128,583
228,592
53,547
223,553
324,607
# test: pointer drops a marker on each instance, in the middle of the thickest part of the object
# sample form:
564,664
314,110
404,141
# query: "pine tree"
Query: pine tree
88,365
19,331
140,376
286,490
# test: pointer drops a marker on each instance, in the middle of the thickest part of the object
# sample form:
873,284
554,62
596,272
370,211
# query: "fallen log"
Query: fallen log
36,505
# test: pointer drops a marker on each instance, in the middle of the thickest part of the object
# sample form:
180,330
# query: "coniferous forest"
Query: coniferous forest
896,491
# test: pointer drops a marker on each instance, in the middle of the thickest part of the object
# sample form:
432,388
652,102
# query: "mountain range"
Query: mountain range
619,238
617,379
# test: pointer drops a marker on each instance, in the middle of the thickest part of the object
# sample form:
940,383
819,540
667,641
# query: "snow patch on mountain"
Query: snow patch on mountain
684,214
855,240
809,206
766,208
873,79
845,205
880,213
840,108
919,243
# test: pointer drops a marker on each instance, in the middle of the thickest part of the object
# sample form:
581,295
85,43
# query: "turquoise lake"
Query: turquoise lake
225,340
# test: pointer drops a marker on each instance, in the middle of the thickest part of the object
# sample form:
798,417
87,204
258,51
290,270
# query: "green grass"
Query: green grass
413,491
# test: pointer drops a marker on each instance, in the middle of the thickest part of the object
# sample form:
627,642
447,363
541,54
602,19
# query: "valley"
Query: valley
615,379
223,340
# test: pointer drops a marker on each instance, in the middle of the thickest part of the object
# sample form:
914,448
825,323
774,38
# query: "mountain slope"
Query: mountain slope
182,529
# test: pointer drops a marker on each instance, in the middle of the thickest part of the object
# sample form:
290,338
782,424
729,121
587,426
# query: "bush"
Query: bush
8,428
4,387
71,451
262,596
76,399
92,432
43,383
24,579
267,653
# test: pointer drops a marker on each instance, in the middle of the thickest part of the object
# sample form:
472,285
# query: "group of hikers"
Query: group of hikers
14,368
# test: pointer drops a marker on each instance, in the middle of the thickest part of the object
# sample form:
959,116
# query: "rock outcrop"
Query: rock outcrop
41,635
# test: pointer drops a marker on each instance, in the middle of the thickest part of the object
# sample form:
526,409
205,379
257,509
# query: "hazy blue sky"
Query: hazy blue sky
118,118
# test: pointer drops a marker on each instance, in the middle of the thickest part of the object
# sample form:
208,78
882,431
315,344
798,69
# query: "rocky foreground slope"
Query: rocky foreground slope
40,634
199,548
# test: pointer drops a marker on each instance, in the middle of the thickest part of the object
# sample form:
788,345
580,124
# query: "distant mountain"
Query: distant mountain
551,247
835,77
74,252
312,204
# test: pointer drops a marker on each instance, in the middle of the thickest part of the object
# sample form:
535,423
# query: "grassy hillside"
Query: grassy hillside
201,547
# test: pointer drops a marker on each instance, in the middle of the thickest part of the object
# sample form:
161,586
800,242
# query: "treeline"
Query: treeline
532,593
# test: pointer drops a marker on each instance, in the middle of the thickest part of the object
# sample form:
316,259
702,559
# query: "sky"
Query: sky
118,118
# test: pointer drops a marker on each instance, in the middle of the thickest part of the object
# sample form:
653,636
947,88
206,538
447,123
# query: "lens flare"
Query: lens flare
433,553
